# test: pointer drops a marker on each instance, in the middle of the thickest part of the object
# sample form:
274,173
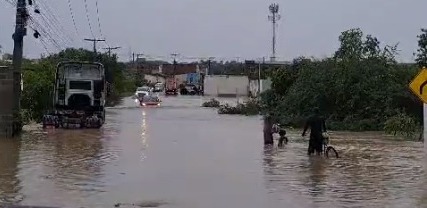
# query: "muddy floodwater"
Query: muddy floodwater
182,155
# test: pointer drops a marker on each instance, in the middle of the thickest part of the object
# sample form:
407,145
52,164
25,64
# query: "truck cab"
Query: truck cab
79,95
171,88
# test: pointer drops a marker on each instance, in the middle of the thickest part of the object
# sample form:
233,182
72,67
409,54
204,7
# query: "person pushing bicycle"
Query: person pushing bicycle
317,126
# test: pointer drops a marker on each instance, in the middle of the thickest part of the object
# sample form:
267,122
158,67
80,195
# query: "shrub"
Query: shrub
213,103
402,125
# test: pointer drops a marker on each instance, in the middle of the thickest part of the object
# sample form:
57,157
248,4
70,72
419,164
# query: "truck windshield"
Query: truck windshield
142,89
80,85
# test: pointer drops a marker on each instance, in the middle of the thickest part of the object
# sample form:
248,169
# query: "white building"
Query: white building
226,85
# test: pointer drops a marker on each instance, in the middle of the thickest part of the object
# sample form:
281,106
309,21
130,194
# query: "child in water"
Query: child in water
283,138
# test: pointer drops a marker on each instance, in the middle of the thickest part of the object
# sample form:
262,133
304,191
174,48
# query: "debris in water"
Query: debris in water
142,204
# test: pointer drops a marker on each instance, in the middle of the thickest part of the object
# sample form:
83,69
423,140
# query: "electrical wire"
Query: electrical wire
72,17
99,22
88,19
41,40
47,29
43,31
50,16
11,2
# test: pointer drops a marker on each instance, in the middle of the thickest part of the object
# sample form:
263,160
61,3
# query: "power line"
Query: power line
38,26
53,28
72,17
88,19
99,22
94,42
51,14
111,48
11,2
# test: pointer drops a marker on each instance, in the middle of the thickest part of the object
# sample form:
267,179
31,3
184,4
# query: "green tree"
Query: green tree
421,56
359,88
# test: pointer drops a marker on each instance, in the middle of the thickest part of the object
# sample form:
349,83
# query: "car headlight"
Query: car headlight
143,104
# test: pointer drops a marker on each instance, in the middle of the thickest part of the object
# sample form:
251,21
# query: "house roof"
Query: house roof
168,69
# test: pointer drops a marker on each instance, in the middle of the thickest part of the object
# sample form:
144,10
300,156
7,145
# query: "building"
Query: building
155,78
193,78
226,85
258,86
171,69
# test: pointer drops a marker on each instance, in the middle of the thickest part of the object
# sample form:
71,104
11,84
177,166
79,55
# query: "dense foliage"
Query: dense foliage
359,88
248,108
39,77
213,103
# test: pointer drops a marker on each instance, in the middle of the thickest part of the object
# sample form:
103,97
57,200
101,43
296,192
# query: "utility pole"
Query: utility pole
18,39
274,17
209,72
259,78
174,55
111,48
94,45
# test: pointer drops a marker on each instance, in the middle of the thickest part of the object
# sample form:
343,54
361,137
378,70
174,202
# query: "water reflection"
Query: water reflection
144,134
77,158
66,160
317,176
219,161
9,181
374,171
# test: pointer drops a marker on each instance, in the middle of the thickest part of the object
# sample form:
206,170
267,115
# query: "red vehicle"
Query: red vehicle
171,88
149,100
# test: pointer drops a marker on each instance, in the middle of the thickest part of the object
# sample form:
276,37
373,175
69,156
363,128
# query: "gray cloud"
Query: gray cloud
228,28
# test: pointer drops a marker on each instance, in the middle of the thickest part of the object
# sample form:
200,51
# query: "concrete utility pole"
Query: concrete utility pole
18,38
274,17
174,55
111,48
94,45
259,78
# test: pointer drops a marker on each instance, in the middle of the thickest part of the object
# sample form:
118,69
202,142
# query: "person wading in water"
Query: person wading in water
268,130
317,127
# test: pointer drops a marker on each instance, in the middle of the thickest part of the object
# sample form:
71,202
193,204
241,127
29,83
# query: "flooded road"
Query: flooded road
181,155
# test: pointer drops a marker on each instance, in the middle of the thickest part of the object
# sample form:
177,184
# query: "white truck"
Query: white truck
79,96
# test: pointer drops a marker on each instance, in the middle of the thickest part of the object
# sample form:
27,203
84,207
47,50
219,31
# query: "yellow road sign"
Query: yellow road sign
419,85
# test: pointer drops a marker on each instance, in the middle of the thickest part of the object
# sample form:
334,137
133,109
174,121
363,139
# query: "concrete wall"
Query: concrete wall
223,85
154,78
253,86
6,104
180,79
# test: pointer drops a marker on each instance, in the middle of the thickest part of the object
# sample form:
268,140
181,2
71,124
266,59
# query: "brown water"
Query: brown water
181,155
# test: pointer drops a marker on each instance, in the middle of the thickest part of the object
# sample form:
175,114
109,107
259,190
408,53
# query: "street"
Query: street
182,155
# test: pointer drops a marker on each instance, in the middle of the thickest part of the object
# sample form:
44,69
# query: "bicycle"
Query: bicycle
328,149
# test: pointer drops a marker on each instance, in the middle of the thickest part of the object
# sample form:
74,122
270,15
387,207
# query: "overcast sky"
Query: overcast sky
222,28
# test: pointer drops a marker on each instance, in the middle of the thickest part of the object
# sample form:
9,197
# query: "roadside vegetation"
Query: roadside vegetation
39,77
250,107
361,87
212,103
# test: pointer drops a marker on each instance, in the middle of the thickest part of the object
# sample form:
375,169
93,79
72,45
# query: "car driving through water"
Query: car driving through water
149,100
